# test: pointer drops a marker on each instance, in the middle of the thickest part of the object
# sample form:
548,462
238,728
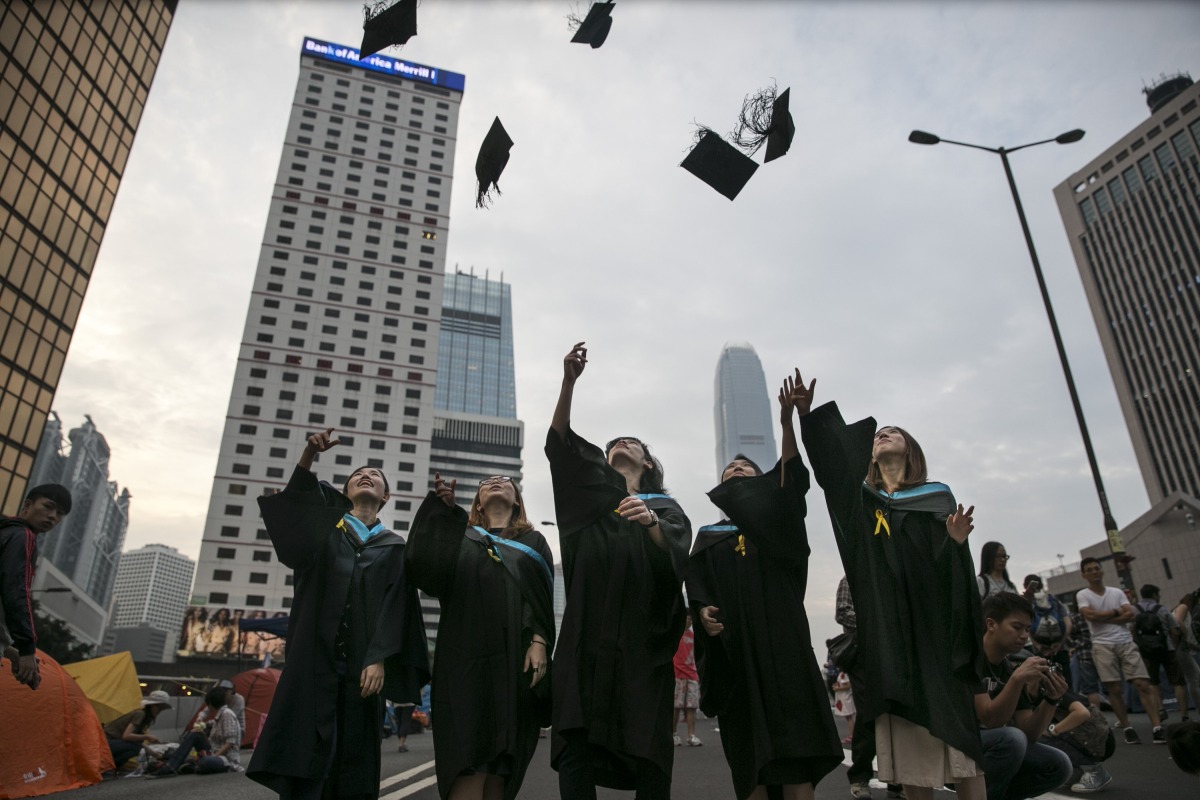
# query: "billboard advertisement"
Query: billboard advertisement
215,632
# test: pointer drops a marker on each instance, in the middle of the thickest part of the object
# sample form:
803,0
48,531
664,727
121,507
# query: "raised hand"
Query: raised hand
444,490
574,362
796,395
317,443
960,524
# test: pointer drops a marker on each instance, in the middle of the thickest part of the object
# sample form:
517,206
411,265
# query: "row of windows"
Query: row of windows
352,205
252,600
369,89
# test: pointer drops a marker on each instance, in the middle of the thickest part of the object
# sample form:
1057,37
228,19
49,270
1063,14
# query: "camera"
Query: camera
1054,667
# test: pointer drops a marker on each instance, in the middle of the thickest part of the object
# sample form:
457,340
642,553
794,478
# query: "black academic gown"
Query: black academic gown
760,676
361,588
487,715
919,617
613,675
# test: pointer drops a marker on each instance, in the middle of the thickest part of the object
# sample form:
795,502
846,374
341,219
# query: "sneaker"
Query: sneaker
1093,780
1131,736
678,741
694,741
1160,735
860,791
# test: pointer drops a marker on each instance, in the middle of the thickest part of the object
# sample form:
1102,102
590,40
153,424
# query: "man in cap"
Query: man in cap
44,506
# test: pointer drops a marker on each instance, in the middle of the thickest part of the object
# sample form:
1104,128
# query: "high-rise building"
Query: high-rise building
149,597
742,409
86,545
78,559
342,329
476,433
1132,216
74,78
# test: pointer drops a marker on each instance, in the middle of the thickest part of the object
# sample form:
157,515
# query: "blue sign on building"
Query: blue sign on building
342,54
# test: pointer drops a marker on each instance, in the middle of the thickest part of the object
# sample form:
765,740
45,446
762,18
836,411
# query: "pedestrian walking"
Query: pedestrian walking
1156,634
687,687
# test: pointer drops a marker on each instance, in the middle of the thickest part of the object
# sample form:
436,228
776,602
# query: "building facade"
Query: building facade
74,78
342,329
149,597
1132,216
476,433
742,408
86,546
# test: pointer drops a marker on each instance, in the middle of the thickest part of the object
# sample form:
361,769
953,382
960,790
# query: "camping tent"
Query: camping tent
51,739
258,687
110,683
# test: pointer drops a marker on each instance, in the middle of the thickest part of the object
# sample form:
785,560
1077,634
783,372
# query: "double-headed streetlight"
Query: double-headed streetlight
1110,525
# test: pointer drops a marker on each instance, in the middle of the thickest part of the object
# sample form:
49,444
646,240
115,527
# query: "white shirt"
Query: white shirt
1103,632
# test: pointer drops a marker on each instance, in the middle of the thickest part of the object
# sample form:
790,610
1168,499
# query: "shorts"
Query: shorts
1164,659
687,693
1113,660
909,754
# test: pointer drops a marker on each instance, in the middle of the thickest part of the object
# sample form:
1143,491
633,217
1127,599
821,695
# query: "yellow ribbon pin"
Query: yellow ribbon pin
741,545
881,522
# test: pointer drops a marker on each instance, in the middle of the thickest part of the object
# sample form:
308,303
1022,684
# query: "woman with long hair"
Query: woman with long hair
903,542
624,552
494,576
993,571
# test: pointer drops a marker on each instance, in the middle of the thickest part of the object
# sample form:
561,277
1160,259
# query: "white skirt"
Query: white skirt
909,754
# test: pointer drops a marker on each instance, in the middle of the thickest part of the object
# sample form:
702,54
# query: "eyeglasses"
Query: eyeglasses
1006,558
495,479
624,440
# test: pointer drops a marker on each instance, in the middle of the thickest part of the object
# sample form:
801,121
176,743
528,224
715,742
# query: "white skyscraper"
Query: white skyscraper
149,596
342,329
742,409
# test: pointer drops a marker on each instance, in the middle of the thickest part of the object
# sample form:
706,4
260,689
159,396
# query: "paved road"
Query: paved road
1142,773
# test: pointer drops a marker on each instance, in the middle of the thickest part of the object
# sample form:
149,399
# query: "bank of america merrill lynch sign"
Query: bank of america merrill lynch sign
343,54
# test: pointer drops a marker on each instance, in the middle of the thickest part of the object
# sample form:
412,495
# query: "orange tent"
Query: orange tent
51,738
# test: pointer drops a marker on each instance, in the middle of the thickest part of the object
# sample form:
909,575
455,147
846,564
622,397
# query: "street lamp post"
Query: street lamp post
1110,524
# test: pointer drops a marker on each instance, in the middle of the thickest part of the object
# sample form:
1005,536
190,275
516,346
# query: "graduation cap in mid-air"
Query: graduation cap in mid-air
492,158
765,118
387,25
593,29
719,164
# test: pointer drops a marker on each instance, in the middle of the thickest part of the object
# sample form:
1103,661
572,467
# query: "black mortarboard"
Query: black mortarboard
594,28
765,118
492,158
386,26
719,164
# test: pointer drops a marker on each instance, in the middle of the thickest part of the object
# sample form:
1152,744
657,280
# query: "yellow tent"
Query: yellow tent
110,683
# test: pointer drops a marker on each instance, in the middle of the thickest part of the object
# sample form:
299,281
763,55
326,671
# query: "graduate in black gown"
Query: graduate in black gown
355,635
494,576
903,542
624,552
746,582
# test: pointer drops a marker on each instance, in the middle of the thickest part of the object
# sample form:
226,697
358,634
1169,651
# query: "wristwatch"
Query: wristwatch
1050,730
653,519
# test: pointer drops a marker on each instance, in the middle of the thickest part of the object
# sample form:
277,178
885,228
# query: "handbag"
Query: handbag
1094,737
843,650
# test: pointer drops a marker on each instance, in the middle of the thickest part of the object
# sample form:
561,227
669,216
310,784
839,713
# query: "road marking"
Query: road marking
412,789
403,776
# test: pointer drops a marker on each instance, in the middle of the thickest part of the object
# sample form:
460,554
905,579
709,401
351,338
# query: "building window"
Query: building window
258,577
255,600
262,555
226,552
222,575
218,598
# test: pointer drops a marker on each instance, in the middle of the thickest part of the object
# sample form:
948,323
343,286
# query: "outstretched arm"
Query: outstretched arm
317,443
573,364
792,396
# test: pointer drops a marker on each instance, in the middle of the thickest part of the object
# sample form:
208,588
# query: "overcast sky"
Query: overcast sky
894,274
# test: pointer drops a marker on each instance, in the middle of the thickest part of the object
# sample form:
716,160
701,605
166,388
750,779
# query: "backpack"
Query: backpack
1148,630
1047,627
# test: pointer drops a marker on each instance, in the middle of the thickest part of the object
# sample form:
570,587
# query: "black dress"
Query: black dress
487,715
614,682
919,618
352,608
760,676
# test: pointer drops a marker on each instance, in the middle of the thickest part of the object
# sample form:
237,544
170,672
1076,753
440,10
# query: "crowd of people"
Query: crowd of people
945,677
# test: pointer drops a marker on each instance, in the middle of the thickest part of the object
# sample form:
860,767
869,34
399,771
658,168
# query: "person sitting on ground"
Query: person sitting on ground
217,742
1015,705
44,506
127,733
235,702
1083,733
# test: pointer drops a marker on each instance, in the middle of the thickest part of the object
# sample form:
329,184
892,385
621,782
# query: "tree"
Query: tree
54,637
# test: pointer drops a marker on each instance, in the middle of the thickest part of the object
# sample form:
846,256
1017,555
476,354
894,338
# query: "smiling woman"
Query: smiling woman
355,635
